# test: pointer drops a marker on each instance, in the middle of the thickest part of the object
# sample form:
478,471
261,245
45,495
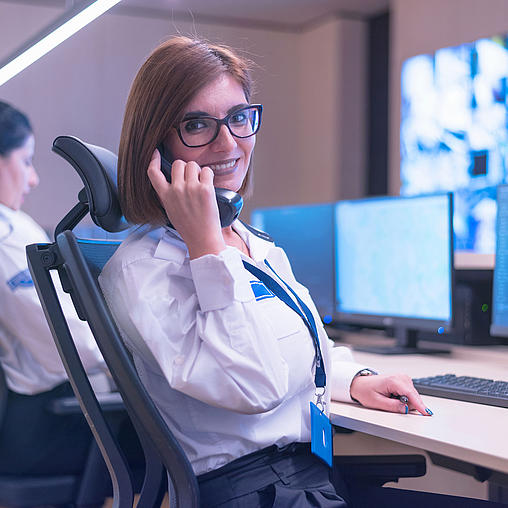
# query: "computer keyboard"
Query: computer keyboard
466,388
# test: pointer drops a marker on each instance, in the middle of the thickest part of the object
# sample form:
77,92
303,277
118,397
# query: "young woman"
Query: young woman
230,366
32,440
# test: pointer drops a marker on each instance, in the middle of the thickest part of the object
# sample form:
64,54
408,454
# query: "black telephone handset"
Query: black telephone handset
229,202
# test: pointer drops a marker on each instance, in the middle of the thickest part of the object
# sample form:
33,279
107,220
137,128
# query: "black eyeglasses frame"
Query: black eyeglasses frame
223,121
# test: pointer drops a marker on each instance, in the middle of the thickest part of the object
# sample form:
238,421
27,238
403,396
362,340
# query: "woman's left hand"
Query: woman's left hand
383,392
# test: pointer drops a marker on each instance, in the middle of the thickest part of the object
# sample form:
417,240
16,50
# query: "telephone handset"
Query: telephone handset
229,202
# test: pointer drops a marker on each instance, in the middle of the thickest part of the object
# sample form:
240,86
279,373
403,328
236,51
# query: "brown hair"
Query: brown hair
170,77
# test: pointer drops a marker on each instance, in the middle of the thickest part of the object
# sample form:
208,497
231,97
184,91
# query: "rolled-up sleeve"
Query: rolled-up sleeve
344,369
220,280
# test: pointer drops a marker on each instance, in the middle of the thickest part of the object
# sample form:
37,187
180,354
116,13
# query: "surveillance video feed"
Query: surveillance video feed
454,133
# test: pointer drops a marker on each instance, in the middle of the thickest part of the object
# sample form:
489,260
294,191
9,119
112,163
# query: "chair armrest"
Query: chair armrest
376,470
109,402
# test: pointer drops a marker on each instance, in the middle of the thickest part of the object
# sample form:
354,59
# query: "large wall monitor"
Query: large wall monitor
305,232
453,134
394,266
499,325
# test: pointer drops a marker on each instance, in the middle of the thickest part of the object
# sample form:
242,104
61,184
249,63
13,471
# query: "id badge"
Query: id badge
321,442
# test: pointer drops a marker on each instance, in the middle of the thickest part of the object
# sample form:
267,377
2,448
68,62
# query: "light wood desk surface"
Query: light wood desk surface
474,433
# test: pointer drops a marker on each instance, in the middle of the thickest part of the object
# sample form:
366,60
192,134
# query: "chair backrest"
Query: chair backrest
78,265
96,167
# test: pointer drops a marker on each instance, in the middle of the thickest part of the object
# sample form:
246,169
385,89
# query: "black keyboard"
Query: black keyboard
468,389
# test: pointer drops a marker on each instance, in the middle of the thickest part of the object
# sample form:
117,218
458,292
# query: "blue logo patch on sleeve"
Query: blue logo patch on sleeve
21,279
260,290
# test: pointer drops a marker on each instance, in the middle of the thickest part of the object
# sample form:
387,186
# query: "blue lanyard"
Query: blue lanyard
306,315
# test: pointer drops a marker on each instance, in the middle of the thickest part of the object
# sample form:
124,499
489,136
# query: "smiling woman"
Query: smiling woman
227,152
238,363
242,368
162,97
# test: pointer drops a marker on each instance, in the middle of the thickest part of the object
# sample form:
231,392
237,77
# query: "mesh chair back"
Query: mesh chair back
81,260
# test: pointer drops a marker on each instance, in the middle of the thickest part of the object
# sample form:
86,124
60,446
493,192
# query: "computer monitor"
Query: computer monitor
394,266
305,232
499,325
453,134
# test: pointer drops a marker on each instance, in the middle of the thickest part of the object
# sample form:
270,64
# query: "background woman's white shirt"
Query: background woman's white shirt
231,372
27,351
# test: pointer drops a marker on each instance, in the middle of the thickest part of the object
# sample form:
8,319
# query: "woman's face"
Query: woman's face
17,175
227,156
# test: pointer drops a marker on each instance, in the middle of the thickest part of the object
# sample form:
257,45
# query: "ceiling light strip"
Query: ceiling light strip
47,41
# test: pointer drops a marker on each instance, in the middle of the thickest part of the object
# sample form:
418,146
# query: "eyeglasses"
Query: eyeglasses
202,130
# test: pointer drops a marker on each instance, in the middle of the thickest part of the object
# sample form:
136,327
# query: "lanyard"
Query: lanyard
303,311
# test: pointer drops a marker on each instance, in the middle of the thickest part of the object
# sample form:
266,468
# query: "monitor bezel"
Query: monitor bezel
397,321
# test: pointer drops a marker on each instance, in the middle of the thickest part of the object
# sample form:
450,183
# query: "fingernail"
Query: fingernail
406,409
428,411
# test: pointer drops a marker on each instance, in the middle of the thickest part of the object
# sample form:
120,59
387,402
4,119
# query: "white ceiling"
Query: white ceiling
284,14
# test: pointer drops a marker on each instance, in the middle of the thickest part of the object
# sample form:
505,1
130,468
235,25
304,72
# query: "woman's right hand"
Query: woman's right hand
190,204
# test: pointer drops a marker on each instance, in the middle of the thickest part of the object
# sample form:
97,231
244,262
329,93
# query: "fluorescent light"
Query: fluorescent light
49,41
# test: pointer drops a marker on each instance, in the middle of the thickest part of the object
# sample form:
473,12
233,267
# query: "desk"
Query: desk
473,433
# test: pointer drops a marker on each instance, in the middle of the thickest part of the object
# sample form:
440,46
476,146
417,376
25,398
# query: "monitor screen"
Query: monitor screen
499,326
394,262
453,134
305,232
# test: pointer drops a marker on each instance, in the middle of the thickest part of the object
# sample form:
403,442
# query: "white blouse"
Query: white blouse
230,372
27,351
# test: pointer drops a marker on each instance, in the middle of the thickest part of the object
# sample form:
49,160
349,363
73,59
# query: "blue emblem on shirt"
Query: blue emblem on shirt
22,279
260,290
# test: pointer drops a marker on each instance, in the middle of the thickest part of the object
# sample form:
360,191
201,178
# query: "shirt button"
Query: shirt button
179,360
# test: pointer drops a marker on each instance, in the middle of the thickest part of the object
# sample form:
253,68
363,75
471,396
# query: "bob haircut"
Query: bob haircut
170,77
15,129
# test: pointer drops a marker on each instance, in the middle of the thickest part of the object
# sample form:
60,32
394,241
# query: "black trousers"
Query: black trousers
34,441
291,477
288,477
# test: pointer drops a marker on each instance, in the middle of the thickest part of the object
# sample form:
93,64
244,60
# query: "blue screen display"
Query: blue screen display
305,232
394,257
500,288
454,134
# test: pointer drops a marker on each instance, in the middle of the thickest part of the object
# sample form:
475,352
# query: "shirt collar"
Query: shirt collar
258,247
7,217
8,213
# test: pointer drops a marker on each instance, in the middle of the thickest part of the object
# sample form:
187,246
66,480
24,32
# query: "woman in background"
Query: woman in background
32,440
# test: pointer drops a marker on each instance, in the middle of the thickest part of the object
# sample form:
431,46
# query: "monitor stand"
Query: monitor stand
406,344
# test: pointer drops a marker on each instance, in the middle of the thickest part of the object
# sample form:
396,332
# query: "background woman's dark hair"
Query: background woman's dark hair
15,128
167,81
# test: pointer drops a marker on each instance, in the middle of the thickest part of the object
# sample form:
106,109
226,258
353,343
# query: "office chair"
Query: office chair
78,264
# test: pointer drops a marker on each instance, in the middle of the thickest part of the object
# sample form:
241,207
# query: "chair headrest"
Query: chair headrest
96,167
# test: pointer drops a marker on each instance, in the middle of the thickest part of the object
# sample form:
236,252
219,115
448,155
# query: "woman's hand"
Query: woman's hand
383,392
190,204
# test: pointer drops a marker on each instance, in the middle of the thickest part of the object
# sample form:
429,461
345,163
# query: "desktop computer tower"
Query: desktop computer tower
472,311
